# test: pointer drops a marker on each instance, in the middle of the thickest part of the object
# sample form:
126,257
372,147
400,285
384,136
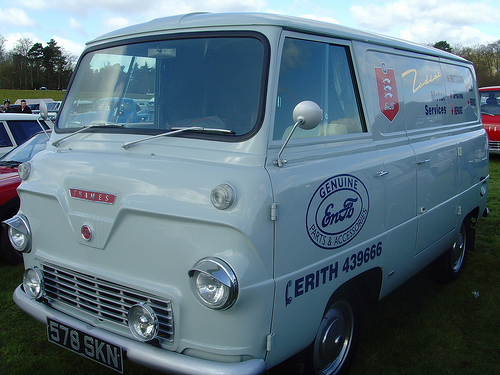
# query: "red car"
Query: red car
490,112
9,181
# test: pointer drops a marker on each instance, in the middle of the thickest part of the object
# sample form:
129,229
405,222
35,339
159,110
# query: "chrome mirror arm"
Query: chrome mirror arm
279,162
307,115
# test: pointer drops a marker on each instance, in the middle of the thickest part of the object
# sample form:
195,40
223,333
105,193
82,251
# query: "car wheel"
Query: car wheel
337,337
448,266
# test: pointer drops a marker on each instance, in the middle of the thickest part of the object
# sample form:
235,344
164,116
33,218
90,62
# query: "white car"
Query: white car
15,128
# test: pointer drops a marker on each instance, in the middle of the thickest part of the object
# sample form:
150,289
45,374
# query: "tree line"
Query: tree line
486,60
29,65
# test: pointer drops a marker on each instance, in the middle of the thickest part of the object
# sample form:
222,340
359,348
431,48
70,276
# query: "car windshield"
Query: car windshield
53,106
214,82
27,150
490,102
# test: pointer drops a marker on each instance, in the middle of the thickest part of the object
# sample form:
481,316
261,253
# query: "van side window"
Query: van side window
322,73
424,93
460,93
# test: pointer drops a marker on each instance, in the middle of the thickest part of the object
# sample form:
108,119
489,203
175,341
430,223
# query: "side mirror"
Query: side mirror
307,115
44,113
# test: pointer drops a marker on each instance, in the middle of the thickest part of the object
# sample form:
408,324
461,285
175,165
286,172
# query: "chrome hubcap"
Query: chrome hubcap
334,337
458,252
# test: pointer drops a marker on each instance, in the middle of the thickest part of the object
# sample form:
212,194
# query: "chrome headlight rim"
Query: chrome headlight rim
153,322
19,225
219,271
222,196
33,283
24,170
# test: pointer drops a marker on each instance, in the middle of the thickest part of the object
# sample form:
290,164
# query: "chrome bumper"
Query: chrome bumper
145,355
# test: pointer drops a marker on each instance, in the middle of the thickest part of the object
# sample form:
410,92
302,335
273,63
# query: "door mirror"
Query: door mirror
43,110
307,115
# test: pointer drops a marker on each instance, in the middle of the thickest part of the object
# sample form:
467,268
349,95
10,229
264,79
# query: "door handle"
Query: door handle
382,173
423,161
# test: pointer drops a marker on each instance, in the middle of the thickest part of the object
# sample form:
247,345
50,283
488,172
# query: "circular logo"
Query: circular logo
337,211
86,233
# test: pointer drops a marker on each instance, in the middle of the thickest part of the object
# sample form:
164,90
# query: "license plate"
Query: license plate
86,345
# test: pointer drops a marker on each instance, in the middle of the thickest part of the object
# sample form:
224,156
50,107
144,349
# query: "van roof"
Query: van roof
204,20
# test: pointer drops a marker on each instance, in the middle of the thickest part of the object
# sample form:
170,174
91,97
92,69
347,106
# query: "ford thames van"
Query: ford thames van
290,172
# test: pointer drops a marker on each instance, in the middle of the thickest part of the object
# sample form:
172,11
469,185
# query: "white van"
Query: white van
291,172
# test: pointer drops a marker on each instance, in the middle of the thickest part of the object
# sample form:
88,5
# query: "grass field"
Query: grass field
13,95
421,328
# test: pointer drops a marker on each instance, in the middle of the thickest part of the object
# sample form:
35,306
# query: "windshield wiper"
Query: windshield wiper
10,163
99,125
176,130
489,114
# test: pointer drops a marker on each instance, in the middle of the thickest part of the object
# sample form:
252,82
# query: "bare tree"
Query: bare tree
486,60
21,62
2,48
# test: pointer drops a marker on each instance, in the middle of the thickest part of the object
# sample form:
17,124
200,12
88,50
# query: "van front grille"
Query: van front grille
104,300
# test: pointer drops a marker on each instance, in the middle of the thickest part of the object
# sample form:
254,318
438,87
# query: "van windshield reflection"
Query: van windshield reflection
154,87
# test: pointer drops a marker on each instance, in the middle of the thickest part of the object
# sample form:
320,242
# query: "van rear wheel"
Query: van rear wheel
336,339
449,265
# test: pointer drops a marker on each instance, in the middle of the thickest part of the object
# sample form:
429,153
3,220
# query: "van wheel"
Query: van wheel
337,337
449,265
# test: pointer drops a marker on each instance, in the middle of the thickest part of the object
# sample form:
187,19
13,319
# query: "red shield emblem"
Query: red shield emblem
387,92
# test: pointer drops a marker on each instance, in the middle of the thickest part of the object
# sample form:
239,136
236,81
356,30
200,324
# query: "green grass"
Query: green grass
428,328
421,328
13,95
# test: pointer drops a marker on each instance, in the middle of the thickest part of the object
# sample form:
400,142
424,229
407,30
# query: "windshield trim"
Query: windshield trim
177,36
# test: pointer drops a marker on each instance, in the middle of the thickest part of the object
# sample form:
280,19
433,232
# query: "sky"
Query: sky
72,23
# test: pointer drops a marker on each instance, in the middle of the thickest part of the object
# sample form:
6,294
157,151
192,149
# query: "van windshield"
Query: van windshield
153,87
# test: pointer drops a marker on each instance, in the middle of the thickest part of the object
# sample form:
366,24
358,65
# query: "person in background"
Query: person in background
24,108
6,106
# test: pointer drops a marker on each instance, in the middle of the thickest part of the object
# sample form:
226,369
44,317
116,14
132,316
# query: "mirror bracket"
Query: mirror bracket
307,115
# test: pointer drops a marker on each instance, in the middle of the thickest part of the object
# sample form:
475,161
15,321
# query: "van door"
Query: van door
386,114
435,150
329,195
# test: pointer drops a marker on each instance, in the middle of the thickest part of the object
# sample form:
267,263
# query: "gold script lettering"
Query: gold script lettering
421,84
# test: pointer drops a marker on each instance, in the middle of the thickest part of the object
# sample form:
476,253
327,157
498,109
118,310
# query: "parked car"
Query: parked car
147,113
34,104
53,109
106,110
16,128
490,112
9,181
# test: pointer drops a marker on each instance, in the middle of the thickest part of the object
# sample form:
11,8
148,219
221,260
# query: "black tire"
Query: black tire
336,340
449,266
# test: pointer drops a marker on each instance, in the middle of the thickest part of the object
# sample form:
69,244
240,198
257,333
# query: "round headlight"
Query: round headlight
33,283
143,322
24,170
214,284
222,196
19,233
